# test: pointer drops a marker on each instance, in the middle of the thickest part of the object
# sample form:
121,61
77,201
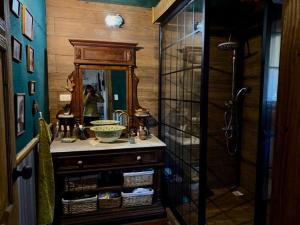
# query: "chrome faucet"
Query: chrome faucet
122,113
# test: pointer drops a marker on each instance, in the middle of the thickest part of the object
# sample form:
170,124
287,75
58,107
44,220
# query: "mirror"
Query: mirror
116,63
103,93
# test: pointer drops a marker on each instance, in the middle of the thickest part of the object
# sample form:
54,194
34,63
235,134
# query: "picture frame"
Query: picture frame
20,113
15,7
16,49
27,23
31,87
30,58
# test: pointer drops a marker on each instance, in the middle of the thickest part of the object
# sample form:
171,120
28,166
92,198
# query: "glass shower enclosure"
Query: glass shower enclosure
213,88
181,114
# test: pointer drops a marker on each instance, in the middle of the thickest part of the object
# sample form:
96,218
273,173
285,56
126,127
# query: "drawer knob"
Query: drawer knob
139,158
80,163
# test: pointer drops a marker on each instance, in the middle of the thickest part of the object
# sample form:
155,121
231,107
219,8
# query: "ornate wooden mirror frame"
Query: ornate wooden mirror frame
104,55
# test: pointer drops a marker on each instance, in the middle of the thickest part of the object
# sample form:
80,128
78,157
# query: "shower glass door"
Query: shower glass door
180,111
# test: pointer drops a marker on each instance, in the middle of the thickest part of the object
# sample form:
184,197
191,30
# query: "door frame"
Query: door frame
285,176
11,212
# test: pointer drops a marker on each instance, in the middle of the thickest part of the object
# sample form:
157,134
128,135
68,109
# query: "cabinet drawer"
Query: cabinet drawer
106,160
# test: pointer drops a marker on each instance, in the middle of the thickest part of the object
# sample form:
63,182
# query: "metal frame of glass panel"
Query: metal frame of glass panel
266,124
183,109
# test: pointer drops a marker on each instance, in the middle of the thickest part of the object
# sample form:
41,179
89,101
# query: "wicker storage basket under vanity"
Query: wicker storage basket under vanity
137,199
80,183
79,205
135,179
109,203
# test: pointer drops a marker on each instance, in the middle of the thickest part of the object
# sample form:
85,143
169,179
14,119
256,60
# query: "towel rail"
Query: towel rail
27,149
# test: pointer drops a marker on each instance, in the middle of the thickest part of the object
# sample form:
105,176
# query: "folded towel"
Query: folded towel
141,190
46,188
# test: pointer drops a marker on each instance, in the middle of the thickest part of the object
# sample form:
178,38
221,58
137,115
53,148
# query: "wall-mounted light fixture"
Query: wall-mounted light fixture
114,20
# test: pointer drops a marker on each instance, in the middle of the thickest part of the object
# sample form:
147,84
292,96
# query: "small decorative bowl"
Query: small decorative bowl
104,122
108,133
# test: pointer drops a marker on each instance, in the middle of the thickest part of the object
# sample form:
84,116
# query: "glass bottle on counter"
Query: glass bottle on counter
75,133
68,133
56,131
142,133
61,132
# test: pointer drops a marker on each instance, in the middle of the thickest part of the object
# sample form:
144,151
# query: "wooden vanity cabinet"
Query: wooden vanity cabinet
78,163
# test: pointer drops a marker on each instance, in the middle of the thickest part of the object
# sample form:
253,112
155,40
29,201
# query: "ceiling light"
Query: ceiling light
114,21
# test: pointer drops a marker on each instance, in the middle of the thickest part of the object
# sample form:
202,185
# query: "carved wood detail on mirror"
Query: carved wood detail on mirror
105,69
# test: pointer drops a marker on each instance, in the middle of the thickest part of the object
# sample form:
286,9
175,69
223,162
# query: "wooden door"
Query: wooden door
8,196
285,205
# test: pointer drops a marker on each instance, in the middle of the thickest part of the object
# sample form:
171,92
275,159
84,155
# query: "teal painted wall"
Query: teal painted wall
20,74
118,83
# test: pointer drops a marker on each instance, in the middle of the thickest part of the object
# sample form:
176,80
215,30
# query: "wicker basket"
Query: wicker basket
82,183
109,203
79,205
135,179
137,199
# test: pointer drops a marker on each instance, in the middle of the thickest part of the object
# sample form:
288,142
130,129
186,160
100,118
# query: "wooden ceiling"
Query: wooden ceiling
225,14
235,15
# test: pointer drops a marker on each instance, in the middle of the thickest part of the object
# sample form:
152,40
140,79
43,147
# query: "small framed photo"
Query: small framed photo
16,48
30,58
20,113
15,7
27,23
31,87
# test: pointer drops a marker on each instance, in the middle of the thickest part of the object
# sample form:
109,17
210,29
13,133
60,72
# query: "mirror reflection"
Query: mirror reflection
104,92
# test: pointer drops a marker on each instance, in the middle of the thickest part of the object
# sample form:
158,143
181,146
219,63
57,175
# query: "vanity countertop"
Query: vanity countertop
92,144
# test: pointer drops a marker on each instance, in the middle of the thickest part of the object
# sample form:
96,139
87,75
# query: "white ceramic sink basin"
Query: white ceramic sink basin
104,122
108,133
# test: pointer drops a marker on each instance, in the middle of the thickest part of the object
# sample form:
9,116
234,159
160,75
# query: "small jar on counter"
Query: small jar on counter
131,137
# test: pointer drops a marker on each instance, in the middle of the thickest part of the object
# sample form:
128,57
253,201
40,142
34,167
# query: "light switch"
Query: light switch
116,97
65,97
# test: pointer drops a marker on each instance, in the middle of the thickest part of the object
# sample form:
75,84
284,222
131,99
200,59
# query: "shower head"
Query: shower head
229,46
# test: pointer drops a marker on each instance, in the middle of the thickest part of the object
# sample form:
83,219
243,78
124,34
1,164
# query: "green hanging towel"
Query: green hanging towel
46,188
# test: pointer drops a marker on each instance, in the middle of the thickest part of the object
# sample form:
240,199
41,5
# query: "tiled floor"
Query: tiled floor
224,208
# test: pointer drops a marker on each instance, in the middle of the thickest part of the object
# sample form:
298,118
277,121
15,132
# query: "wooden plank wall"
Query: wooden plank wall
85,20
250,118
222,168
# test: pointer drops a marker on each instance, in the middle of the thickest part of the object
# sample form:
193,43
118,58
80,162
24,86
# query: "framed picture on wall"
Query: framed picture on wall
15,7
16,48
31,87
30,58
20,113
27,23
